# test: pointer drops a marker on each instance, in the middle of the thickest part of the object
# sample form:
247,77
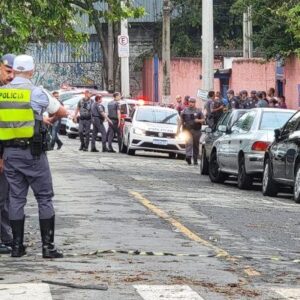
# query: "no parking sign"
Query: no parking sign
123,45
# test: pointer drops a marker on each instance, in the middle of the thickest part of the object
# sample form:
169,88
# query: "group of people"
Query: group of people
23,159
93,112
192,118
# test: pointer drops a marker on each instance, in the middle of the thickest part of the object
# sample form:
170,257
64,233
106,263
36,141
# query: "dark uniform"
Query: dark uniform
188,117
114,129
250,103
98,126
85,121
234,103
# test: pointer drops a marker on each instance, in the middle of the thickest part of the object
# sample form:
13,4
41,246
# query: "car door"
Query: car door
279,149
291,147
239,137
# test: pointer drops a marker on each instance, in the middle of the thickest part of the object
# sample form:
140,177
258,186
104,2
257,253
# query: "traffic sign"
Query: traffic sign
202,94
123,45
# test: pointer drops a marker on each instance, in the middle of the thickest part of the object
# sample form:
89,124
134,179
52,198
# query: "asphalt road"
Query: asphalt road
171,234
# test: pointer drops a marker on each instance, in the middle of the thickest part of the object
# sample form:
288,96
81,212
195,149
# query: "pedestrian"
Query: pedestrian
6,76
114,114
214,109
282,103
179,105
98,118
84,109
25,159
271,96
55,128
251,101
191,121
233,101
244,99
264,96
261,101
220,98
186,101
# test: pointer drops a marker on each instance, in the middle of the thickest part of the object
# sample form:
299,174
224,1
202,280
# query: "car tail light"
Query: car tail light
260,146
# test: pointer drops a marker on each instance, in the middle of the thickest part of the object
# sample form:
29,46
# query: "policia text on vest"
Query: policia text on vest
16,115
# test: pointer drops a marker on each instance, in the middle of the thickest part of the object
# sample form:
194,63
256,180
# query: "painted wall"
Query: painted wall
292,82
185,77
252,74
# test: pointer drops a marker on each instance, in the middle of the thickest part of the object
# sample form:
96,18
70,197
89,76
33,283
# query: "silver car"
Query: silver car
241,150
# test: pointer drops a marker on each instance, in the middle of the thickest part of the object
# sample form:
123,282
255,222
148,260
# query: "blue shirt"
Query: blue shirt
39,99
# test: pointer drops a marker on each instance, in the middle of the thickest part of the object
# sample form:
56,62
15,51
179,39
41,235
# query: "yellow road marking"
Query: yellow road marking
183,229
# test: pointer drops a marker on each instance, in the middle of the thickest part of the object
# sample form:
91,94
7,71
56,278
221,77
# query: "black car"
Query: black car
282,160
226,121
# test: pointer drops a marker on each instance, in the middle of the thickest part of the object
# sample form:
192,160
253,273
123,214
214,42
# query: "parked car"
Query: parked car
282,160
211,135
241,150
153,128
127,106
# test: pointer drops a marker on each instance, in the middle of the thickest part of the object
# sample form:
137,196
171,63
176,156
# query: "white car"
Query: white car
153,128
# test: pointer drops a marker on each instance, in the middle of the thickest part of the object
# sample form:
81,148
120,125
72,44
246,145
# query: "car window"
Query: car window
157,116
244,123
290,126
273,120
123,109
225,119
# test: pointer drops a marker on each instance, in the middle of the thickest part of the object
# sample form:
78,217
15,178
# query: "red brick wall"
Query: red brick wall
252,74
292,79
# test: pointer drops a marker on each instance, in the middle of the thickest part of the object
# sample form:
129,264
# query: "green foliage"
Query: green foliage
40,21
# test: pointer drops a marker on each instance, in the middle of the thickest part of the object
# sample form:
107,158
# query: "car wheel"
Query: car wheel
204,163
244,180
72,136
130,151
269,187
214,172
181,156
297,185
123,146
172,155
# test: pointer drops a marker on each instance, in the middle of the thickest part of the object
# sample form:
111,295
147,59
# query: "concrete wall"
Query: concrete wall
252,74
292,82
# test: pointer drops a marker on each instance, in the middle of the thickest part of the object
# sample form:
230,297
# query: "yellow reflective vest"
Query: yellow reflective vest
16,114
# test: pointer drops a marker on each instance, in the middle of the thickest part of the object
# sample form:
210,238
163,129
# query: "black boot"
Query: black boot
47,233
18,249
189,160
94,150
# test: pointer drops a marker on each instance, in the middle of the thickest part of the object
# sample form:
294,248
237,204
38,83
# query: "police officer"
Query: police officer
114,114
234,102
84,107
191,122
6,76
25,162
98,117
251,101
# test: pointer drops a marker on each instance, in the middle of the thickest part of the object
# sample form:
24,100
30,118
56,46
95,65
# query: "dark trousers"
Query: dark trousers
5,229
84,132
23,170
113,130
54,134
192,144
98,126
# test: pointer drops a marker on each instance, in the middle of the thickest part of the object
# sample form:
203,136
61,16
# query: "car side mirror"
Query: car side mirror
208,130
277,134
223,128
128,119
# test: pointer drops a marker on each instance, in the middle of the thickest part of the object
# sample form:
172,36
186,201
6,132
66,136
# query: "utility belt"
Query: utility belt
86,118
17,143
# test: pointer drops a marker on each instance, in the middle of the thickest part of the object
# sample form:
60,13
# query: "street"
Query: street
150,227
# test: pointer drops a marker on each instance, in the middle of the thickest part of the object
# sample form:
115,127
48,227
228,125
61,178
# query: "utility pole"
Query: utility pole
125,85
248,33
207,45
245,36
110,50
166,52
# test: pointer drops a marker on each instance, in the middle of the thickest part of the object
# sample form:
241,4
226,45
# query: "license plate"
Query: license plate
160,142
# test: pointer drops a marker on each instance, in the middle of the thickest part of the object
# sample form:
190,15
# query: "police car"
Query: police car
153,128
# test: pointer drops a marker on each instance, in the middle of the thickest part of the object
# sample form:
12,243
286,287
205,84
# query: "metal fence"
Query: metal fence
66,53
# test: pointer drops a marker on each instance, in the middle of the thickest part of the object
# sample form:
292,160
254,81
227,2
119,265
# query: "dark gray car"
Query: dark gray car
227,120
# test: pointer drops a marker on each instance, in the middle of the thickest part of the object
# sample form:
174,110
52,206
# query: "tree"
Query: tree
107,25
39,21
275,30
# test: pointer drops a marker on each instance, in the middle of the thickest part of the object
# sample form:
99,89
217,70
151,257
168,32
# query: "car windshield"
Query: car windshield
157,116
273,120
